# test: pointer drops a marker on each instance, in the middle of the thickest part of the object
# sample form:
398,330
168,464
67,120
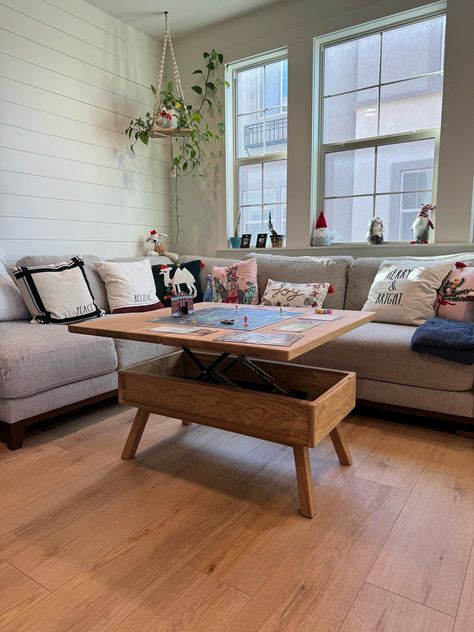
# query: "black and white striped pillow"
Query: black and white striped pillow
57,293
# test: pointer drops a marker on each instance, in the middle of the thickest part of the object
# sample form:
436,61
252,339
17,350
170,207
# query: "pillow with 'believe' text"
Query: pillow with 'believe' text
404,292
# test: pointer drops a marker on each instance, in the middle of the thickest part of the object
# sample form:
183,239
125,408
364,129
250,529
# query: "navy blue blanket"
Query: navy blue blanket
448,339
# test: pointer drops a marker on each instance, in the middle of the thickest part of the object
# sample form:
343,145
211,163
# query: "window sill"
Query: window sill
389,249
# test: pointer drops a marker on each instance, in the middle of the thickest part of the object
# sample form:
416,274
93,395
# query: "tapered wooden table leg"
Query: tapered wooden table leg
135,434
340,446
305,481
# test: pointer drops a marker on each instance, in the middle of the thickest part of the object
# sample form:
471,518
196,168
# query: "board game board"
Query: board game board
212,316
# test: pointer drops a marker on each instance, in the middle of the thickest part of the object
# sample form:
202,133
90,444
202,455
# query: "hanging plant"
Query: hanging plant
196,147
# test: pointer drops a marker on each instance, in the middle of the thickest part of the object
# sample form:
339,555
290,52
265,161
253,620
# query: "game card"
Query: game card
298,326
255,338
182,329
323,317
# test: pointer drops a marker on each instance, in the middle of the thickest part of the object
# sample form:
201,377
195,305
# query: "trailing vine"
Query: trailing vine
199,150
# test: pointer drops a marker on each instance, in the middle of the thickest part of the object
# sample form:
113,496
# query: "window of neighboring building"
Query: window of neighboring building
257,141
380,115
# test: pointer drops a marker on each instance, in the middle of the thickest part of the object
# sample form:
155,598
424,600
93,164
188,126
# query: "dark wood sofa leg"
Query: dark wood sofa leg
14,435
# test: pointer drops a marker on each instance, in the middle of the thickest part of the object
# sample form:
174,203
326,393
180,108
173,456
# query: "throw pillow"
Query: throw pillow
295,294
236,283
57,293
185,277
404,292
12,306
456,294
129,285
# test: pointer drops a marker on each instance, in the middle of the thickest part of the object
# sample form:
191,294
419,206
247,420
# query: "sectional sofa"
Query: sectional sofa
45,370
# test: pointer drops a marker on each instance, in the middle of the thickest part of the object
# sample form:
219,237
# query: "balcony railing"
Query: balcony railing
276,133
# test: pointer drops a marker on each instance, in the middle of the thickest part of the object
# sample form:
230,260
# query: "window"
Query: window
256,141
380,114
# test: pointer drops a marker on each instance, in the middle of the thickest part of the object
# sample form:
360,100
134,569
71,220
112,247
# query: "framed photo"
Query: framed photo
261,240
245,241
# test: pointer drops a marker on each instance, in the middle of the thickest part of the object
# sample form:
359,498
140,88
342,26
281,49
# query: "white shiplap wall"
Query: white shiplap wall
71,77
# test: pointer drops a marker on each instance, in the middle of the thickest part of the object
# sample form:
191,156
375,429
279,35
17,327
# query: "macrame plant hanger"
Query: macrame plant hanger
158,131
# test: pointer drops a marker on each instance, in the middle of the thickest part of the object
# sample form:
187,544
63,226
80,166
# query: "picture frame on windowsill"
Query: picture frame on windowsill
261,240
245,240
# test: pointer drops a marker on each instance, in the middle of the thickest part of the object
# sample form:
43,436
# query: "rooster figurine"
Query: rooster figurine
422,224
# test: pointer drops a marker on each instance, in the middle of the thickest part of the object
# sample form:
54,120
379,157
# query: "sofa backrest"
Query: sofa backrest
362,273
305,270
293,269
95,282
351,278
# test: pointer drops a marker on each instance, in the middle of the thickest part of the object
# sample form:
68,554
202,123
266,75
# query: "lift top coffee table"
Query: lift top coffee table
238,375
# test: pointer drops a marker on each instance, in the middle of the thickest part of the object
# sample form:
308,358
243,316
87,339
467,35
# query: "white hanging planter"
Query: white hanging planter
165,119
169,132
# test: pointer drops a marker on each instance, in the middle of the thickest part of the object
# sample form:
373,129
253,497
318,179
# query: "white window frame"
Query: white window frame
232,161
319,150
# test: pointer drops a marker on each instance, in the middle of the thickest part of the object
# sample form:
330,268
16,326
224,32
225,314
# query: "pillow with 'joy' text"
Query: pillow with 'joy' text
404,292
295,294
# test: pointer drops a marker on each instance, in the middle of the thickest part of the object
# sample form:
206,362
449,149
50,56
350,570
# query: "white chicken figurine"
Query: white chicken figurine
422,224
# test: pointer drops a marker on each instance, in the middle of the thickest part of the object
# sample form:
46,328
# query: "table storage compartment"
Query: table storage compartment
168,386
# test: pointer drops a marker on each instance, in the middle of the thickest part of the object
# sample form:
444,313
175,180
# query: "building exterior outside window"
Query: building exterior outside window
379,115
257,142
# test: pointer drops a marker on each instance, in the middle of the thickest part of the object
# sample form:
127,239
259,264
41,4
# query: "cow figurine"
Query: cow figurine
422,224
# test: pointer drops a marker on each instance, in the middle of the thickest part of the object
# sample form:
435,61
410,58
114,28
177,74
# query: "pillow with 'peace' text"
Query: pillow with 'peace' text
404,292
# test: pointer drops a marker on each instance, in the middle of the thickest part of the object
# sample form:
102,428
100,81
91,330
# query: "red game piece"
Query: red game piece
246,321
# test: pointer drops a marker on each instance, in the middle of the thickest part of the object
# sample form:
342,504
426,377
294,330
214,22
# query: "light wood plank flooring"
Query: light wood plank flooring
202,531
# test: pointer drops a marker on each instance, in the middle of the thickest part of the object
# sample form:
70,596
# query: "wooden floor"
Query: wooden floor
202,532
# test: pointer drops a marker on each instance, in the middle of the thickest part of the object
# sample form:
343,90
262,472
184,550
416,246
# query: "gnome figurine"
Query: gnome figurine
375,231
321,233
422,224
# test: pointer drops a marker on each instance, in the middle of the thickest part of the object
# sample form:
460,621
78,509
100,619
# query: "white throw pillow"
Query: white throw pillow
57,293
130,285
12,306
295,294
404,292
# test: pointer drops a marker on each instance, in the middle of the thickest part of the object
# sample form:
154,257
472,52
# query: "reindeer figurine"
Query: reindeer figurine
154,247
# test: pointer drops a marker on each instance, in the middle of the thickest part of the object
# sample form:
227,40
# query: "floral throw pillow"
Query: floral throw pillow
236,283
456,294
295,294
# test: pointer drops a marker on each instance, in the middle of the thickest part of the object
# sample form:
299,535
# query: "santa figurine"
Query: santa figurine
321,233
422,224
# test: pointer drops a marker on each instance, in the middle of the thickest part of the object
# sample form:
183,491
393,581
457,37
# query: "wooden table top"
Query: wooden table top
137,327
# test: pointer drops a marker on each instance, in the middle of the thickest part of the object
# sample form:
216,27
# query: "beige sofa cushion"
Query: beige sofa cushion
131,352
362,274
381,351
12,410
35,358
452,403
96,284
305,270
